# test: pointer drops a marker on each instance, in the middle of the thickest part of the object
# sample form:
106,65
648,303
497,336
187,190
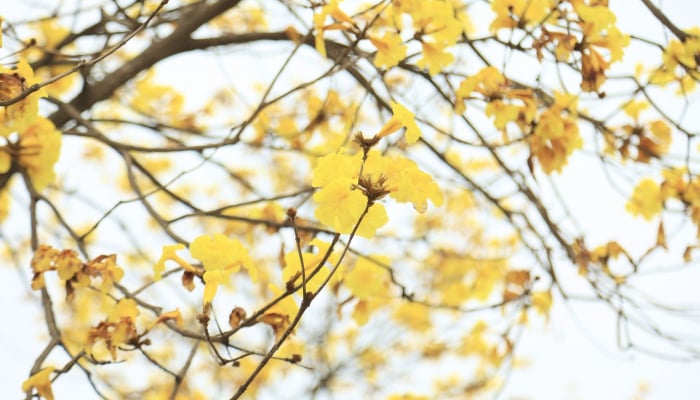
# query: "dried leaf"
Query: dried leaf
188,280
236,316
278,322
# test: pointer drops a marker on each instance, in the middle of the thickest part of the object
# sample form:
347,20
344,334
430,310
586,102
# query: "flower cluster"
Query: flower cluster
73,272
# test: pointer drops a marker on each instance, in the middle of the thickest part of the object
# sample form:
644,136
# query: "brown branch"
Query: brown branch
658,14
181,374
158,51
84,64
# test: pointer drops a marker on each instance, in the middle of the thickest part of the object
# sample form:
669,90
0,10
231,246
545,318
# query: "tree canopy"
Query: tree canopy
321,198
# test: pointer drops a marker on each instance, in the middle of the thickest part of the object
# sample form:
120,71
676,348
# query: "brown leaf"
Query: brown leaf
188,280
236,316
510,295
11,86
518,277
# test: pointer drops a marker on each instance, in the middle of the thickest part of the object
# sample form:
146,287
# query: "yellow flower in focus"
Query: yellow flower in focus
332,166
341,201
42,262
339,206
376,218
405,181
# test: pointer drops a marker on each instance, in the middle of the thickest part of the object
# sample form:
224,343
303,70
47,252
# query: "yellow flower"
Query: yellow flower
412,315
596,18
413,185
17,117
333,10
390,50
332,166
340,201
68,264
169,254
646,199
40,147
435,57
527,12
125,308
662,134
489,81
593,67
633,108
107,267
42,261
376,218
339,206
542,301
502,113
402,117
556,135
367,279
220,257
41,382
